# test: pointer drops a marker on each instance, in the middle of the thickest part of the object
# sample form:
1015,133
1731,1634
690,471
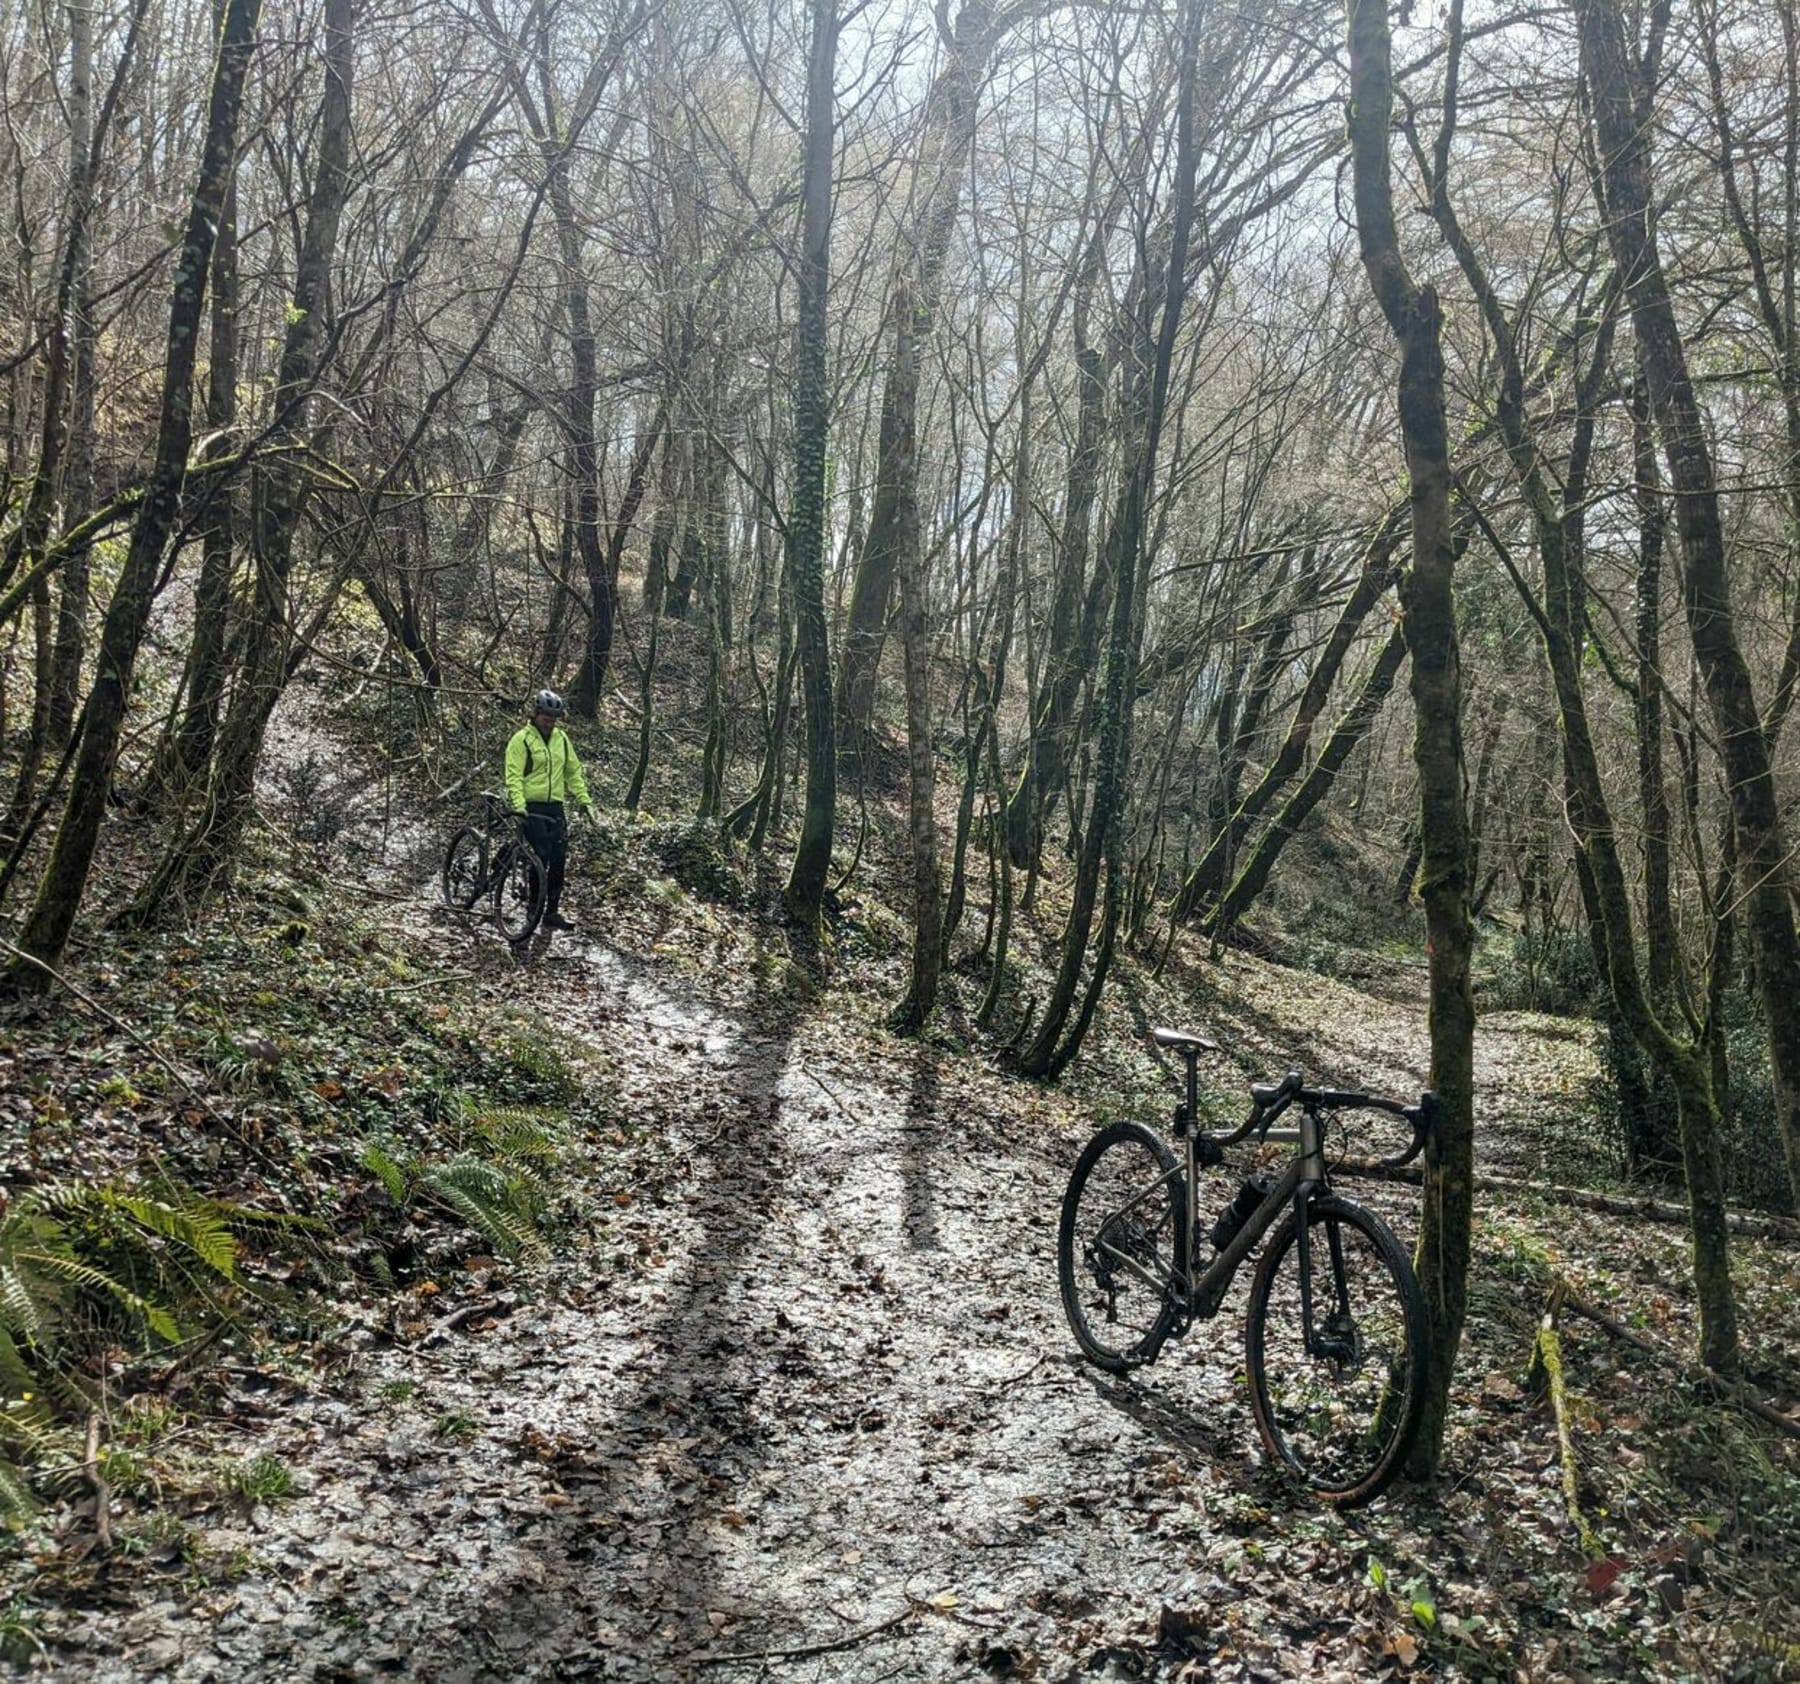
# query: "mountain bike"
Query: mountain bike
494,858
1336,1338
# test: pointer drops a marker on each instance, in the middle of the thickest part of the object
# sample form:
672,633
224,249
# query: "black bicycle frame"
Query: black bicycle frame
1202,1295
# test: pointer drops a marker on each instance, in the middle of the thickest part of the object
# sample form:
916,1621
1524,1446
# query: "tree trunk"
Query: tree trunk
1204,881
72,598
806,517
1077,616
203,678
59,891
921,757
1428,616
924,242
1161,292
1351,729
1623,139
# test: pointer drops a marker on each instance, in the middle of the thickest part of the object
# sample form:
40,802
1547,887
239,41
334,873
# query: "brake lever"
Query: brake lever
1424,1118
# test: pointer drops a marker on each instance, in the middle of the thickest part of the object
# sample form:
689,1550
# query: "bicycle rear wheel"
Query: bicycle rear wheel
465,868
1343,1414
519,890
1118,1251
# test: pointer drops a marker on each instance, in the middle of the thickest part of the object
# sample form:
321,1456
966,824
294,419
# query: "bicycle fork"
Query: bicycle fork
1338,1341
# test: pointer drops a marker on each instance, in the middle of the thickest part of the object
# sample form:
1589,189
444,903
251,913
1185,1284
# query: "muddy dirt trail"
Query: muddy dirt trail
809,1409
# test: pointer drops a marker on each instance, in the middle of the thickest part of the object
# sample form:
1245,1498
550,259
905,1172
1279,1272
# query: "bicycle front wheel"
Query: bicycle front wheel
1338,1404
519,890
1119,1249
465,868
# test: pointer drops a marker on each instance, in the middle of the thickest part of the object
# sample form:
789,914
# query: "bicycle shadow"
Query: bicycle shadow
1220,1451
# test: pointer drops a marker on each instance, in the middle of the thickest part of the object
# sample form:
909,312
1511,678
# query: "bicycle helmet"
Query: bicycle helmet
547,701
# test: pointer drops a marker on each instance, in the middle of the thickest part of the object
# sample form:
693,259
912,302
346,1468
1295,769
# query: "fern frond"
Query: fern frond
195,1228
154,1316
25,1310
16,1378
488,1199
17,1505
383,1166
521,1131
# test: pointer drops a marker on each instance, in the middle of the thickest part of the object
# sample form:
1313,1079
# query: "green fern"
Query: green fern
192,1224
500,1206
81,1261
379,1160
17,1504
521,1131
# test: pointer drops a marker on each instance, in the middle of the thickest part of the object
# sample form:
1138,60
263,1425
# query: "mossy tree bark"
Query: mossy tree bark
200,856
1557,523
203,678
1620,109
1428,610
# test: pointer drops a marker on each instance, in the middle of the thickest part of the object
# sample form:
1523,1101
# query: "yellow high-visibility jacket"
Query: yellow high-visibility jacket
537,770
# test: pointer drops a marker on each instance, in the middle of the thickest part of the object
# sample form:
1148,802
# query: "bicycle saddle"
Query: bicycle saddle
1179,1040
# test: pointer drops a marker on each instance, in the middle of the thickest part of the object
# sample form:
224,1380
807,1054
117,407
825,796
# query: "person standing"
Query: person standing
543,773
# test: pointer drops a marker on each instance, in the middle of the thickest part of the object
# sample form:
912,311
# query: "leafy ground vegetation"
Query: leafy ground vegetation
649,1310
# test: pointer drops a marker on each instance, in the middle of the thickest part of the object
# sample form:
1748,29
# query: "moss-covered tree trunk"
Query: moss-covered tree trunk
200,857
1428,611
203,678
1622,134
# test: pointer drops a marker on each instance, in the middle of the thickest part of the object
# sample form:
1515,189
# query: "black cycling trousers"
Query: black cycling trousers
547,830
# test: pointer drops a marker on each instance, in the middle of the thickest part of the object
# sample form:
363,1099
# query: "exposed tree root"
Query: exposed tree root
1728,1387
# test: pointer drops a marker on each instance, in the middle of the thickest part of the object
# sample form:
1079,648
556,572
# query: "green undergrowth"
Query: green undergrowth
239,1128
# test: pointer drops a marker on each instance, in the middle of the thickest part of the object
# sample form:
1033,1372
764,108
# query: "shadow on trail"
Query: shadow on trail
1203,1435
919,1214
631,1565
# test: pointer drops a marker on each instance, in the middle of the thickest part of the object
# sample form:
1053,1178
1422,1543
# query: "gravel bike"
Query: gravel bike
493,858
1336,1338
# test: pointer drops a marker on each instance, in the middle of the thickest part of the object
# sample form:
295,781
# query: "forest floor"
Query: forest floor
789,1392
